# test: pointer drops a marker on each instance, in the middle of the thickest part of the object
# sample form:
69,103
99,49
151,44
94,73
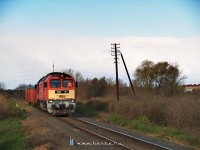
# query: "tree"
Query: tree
69,71
82,92
76,75
2,86
24,86
145,75
98,87
102,86
162,77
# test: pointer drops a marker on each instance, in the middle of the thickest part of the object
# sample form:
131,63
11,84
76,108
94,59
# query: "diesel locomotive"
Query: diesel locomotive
54,93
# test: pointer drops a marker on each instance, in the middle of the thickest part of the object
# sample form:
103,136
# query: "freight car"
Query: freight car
54,93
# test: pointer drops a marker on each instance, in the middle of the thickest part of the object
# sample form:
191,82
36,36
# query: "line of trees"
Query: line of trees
96,87
160,78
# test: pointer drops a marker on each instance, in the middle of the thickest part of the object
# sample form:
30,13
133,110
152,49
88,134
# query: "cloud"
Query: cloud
28,58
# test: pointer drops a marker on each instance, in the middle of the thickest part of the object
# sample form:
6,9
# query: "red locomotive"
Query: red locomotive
54,93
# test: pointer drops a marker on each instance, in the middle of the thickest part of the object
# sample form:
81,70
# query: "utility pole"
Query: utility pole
115,52
128,75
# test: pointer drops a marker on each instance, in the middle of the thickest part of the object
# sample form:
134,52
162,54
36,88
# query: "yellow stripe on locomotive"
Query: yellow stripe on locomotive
61,94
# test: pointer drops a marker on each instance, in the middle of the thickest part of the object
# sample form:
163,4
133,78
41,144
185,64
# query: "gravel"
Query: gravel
46,132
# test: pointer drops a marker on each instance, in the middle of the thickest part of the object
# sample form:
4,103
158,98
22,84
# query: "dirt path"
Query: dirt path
45,132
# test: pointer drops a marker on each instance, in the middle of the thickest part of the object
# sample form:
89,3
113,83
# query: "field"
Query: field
175,118
12,134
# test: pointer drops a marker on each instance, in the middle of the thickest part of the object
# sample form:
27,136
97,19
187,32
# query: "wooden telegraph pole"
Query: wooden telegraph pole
115,52
128,75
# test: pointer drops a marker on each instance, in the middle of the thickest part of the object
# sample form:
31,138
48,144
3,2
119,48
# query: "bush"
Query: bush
98,104
184,113
9,108
180,112
15,110
4,111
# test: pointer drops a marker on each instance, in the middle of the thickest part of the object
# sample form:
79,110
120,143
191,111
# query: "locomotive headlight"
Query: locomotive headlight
50,101
72,101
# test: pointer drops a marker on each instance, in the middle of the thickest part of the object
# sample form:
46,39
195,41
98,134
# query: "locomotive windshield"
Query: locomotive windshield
55,83
67,83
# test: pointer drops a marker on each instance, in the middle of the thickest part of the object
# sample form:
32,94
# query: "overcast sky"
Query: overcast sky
77,34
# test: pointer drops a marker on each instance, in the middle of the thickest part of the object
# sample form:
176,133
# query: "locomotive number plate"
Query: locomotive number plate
61,91
61,96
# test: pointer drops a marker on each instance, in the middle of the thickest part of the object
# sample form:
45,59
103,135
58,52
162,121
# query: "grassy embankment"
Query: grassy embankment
11,131
175,119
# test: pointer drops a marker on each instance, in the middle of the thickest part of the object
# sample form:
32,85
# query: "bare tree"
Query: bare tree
2,86
75,74
24,86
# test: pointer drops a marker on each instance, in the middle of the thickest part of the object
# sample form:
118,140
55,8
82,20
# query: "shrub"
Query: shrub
180,112
15,110
98,104
4,111
184,113
9,108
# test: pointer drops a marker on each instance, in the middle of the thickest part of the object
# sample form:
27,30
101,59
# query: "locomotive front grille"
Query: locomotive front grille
62,96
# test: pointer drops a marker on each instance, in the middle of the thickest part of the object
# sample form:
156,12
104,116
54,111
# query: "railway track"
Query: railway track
108,135
117,138
16,99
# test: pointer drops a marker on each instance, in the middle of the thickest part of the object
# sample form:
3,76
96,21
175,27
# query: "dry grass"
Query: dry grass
8,108
184,113
4,111
180,112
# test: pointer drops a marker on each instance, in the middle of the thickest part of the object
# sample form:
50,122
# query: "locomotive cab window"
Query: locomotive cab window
54,83
67,83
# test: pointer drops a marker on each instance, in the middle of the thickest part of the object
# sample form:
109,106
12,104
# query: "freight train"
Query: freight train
54,93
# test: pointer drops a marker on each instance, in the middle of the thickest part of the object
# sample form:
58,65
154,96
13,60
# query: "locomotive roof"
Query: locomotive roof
58,74
54,74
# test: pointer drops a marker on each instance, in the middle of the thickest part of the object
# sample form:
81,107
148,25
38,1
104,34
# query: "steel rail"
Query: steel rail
95,134
124,134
